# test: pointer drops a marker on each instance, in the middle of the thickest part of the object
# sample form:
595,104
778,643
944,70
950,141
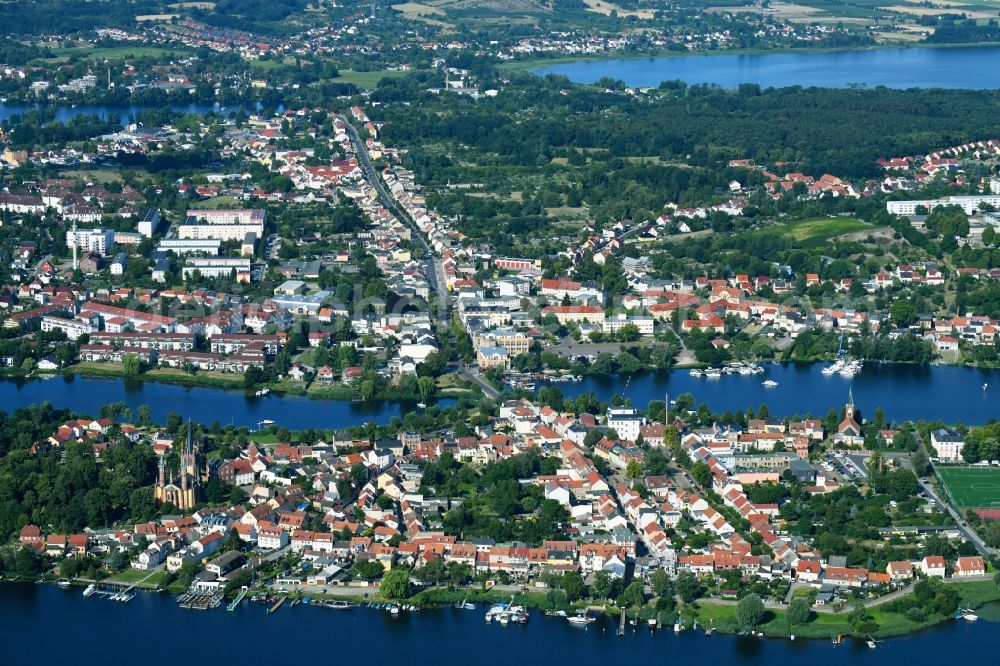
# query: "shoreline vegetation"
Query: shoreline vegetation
536,62
338,392
342,392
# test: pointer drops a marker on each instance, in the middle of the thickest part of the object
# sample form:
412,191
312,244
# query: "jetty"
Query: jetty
235,603
276,606
621,624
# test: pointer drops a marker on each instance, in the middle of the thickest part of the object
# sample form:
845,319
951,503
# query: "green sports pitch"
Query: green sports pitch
972,486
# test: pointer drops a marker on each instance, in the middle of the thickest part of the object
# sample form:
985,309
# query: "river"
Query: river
924,67
203,405
44,624
905,392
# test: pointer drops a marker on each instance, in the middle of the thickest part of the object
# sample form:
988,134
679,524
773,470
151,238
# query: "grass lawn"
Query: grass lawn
972,486
113,52
367,79
129,576
816,232
220,202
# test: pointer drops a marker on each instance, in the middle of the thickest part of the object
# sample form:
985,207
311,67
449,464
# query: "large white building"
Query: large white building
73,328
149,222
970,204
216,266
183,246
625,421
223,224
948,444
615,324
91,240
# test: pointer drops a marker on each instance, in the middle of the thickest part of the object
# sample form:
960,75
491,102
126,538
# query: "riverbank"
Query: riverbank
31,611
232,382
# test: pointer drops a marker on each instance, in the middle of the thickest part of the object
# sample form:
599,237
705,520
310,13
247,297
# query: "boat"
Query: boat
465,605
791,637
393,609
261,393
556,613
769,383
834,368
338,605
580,619
495,612
695,372
64,583
678,627
713,373
870,643
985,386
125,598
651,623
421,405
966,614
90,591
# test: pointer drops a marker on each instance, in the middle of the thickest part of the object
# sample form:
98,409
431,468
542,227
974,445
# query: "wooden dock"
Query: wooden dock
276,606
621,624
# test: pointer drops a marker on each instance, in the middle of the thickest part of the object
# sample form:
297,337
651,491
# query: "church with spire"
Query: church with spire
182,490
849,430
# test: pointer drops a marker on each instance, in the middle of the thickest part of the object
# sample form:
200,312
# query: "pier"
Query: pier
621,624
234,604
123,592
276,606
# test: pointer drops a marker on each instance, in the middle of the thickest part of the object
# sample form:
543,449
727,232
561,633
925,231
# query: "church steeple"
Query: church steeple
849,411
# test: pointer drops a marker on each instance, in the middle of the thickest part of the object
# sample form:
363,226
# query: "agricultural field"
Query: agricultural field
972,486
817,231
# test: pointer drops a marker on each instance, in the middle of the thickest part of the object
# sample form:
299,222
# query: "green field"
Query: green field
113,52
972,486
816,232
367,79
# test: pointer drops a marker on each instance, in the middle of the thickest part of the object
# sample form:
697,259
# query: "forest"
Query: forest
561,145
68,489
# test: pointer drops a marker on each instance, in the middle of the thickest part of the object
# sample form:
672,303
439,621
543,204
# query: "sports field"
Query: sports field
972,486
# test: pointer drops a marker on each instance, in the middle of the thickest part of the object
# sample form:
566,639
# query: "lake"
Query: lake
919,67
203,405
66,113
44,624
905,392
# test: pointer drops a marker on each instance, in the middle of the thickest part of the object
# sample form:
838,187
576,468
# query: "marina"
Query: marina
903,391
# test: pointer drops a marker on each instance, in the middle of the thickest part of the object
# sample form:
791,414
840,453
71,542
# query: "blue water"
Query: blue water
65,113
905,392
46,625
966,67
204,405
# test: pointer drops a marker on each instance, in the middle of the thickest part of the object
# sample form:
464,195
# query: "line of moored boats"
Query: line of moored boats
844,367
734,368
